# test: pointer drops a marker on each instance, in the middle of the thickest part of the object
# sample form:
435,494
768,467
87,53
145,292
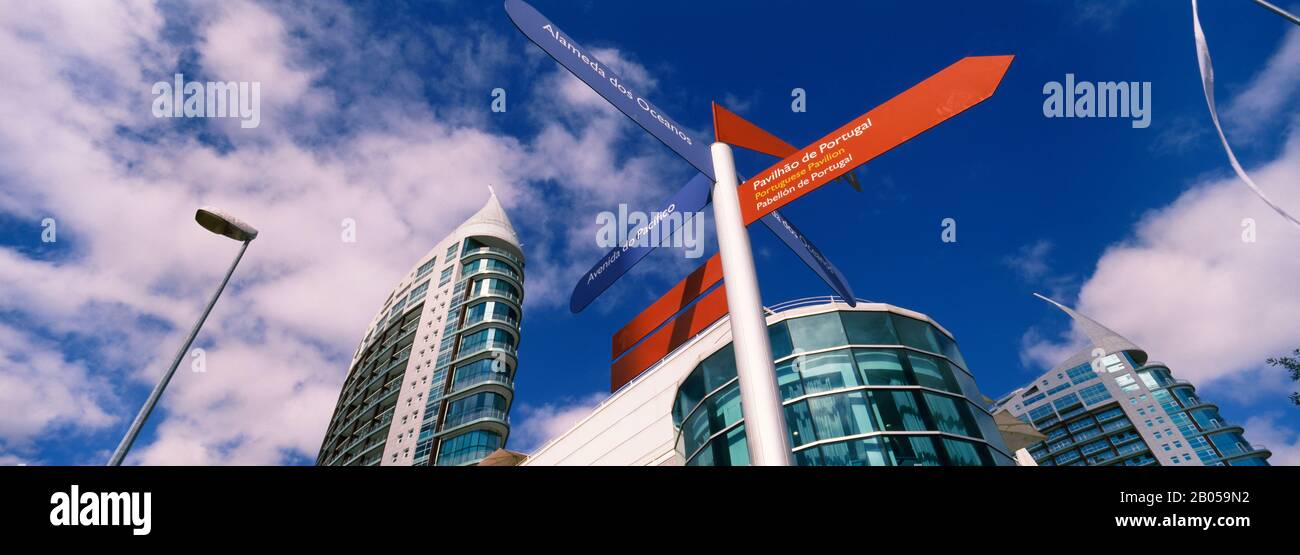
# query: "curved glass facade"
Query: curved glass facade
860,388
1128,414
1215,440
433,380
469,419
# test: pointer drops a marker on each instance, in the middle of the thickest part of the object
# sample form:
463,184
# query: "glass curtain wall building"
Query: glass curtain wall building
1108,405
872,386
432,381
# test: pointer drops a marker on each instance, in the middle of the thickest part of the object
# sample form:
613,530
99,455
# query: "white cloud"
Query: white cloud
1192,293
534,425
1037,351
1101,13
1284,442
131,269
12,460
41,391
1030,261
1189,289
1269,93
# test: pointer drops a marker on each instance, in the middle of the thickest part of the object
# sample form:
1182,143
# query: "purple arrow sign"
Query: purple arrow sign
617,91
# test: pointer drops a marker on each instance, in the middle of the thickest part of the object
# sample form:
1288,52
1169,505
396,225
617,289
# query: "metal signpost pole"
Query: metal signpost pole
760,397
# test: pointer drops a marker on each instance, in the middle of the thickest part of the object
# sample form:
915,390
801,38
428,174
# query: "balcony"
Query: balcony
1243,450
490,318
1068,458
465,457
1087,435
1116,425
476,348
1102,458
1123,438
495,251
1081,425
1215,426
1110,415
455,421
1196,403
1060,446
1131,448
480,378
513,275
1094,447
498,293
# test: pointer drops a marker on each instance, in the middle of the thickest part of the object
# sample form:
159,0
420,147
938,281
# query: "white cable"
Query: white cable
1207,82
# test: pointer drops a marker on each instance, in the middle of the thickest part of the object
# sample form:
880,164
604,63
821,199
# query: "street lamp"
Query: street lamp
220,223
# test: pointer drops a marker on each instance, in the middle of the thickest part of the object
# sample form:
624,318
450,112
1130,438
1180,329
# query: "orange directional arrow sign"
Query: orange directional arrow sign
930,102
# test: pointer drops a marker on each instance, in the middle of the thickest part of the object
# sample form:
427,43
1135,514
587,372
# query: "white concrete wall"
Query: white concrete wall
634,427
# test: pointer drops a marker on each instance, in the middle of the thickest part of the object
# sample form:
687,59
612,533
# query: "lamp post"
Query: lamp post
1279,11
220,223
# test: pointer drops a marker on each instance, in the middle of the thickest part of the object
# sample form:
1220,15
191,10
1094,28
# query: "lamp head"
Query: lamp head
222,223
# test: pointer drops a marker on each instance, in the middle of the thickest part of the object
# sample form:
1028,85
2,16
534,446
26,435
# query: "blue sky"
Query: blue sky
379,113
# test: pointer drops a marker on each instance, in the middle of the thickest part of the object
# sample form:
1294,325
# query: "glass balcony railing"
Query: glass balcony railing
465,456
1094,447
1215,425
1087,434
476,348
493,250
1131,448
1101,458
461,419
1110,415
479,378
1068,457
510,273
493,292
486,317
1240,449
1060,445
1116,425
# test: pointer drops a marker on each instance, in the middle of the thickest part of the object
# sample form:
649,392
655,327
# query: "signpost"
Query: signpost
930,102
938,98
766,434
689,200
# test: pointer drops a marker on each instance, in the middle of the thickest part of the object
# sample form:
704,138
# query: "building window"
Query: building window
880,367
419,292
468,447
426,268
1094,394
819,331
842,392
951,416
827,371
932,372
869,328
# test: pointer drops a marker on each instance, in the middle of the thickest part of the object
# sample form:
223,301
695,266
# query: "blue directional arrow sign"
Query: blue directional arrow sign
688,201
617,91
601,78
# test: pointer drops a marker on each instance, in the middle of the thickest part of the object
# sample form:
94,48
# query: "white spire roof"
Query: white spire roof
1100,335
492,214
